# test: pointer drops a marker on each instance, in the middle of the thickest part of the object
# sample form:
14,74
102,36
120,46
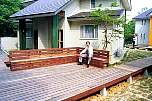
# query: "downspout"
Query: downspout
125,26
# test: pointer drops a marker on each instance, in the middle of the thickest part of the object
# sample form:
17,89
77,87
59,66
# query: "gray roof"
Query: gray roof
41,7
144,15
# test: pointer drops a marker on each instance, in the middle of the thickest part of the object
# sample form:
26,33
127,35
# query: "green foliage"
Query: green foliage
131,55
134,54
7,8
129,32
114,4
106,18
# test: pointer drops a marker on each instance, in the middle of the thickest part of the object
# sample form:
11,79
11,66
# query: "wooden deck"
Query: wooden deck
68,82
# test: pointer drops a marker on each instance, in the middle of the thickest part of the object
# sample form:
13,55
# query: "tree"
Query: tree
106,18
129,32
7,8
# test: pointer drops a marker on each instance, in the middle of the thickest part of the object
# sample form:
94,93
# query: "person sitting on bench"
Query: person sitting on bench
87,53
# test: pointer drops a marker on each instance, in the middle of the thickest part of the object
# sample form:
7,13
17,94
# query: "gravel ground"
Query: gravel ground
139,90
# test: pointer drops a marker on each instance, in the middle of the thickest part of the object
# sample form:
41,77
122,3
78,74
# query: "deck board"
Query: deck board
60,82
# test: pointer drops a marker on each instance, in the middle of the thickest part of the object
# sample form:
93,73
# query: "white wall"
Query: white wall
9,43
117,45
72,30
85,5
43,33
71,9
73,40
141,30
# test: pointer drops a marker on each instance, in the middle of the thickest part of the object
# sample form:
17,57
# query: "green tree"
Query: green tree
106,18
7,8
129,32
114,4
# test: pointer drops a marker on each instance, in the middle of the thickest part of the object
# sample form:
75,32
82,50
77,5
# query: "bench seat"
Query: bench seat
42,62
42,58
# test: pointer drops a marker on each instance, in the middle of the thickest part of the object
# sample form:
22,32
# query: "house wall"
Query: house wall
142,30
85,5
73,40
72,31
150,33
9,43
70,10
43,38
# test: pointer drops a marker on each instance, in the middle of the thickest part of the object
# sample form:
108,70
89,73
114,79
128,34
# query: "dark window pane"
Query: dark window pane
93,3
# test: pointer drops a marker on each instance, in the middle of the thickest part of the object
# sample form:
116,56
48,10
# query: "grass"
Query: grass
133,54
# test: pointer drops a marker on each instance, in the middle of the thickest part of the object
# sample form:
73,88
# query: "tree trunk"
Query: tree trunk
106,40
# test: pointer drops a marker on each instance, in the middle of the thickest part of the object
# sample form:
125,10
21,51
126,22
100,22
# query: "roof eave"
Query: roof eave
135,18
32,16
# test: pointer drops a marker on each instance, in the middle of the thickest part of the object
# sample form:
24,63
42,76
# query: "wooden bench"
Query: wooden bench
100,58
27,59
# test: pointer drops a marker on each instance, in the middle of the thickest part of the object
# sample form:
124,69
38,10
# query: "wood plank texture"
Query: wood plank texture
28,59
68,82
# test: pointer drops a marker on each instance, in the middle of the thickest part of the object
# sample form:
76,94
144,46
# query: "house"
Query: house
143,28
64,23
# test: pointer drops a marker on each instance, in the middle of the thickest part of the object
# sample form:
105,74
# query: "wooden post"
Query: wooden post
55,31
130,80
104,92
146,73
22,34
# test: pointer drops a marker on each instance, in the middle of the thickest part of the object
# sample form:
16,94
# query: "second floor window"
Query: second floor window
89,31
93,3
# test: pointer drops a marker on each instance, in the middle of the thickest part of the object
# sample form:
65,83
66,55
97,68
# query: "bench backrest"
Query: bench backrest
38,53
52,52
98,53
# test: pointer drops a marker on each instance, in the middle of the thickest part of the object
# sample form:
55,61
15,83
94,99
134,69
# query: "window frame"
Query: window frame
94,32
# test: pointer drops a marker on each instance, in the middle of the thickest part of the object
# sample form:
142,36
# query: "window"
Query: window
142,22
89,31
93,3
144,36
141,36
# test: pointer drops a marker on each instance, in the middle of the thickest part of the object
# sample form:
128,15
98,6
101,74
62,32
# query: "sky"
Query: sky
137,5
